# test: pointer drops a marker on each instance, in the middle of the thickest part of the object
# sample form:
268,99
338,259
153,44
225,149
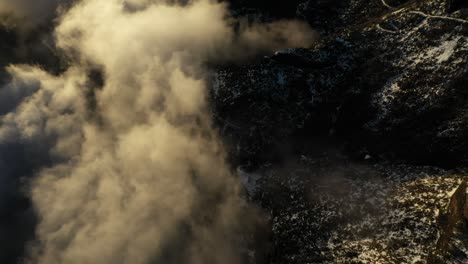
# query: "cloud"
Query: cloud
37,128
267,37
145,180
28,14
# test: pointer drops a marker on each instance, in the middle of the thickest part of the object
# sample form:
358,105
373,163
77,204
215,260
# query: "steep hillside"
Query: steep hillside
343,143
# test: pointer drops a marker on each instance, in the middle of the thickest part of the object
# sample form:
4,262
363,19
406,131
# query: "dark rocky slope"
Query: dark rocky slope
393,86
343,143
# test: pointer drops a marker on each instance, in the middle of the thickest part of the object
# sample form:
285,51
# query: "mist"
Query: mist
129,168
26,15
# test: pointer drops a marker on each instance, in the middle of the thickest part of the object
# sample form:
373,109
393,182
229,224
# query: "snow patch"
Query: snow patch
444,51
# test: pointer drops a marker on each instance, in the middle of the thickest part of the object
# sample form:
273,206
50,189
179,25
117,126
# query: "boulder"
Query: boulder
452,246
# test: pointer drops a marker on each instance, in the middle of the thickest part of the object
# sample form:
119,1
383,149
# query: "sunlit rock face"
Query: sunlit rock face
453,242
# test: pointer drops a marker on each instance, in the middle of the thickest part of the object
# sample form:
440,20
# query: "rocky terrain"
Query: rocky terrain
328,212
397,78
356,146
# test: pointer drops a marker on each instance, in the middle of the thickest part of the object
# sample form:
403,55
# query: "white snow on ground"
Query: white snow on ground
440,17
386,30
386,5
410,33
387,95
448,48
444,50
438,54
384,214
403,233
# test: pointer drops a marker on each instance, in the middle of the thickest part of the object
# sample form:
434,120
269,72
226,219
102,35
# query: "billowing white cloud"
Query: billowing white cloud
146,180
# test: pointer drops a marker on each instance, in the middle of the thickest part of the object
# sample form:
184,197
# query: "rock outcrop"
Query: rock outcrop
452,245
